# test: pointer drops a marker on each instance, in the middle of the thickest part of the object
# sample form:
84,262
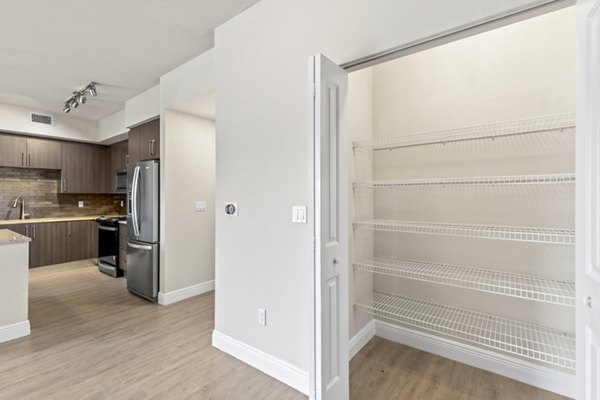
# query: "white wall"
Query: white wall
17,119
189,171
359,117
143,107
518,71
112,128
502,75
263,260
188,81
184,263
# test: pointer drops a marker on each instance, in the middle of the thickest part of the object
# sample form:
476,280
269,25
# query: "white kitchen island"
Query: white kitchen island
14,285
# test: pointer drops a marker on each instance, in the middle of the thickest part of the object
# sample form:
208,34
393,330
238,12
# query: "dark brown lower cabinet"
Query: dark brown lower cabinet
79,240
19,228
123,247
58,242
94,240
48,244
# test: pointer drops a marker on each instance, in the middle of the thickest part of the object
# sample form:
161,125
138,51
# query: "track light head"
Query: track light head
79,97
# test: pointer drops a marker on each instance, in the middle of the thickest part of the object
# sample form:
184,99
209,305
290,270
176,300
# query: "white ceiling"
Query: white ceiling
48,49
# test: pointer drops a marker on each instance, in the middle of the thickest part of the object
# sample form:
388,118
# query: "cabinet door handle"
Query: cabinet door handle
150,147
126,159
22,159
68,228
65,185
29,162
33,227
27,230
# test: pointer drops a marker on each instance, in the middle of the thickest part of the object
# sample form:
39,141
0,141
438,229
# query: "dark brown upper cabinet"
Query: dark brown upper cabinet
144,141
81,168
46,154
19,151
119,155
114,159
12,151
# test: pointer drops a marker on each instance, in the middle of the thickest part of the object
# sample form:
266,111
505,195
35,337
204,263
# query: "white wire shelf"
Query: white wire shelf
470,181
503,283
514,337
552,123
513,233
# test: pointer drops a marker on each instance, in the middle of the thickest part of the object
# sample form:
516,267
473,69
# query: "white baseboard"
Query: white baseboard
532,374
185,293
272,366
14,331
361,338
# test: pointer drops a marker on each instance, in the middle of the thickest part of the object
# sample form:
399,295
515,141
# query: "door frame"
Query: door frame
587,192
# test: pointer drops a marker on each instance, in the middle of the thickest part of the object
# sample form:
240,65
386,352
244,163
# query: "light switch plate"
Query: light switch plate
299,214
81,204
199,206
262,317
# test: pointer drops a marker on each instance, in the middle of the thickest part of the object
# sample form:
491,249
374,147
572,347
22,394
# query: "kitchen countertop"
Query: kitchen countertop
9,237
52,219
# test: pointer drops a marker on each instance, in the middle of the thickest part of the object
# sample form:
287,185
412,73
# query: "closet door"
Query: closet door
330,231
588,201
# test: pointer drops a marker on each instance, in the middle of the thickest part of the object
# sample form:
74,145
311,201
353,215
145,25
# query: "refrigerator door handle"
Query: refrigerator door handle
139,246
134,194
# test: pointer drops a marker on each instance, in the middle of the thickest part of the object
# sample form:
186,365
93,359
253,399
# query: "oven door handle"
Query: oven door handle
107,228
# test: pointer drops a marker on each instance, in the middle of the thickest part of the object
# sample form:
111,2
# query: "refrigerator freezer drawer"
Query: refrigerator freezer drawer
142,269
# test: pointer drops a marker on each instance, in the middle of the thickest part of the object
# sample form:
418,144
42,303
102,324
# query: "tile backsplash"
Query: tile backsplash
40,189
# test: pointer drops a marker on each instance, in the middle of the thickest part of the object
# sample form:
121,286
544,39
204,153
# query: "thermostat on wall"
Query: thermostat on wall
231,209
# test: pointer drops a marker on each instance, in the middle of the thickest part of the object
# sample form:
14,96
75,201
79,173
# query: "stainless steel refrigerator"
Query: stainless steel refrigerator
143,228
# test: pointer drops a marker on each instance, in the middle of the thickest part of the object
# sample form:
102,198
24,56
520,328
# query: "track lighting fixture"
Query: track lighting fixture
79,97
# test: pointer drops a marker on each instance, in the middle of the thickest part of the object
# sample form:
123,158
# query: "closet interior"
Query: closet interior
463,193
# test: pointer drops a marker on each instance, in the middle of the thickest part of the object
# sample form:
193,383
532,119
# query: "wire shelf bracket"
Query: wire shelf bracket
503,283
530,341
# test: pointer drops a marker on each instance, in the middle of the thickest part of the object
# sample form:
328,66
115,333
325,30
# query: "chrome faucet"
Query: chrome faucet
14,205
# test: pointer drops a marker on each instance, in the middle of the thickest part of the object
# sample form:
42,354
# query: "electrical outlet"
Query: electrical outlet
81,204
121,203
262,317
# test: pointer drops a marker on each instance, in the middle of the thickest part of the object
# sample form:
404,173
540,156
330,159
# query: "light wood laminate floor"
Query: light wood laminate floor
91,339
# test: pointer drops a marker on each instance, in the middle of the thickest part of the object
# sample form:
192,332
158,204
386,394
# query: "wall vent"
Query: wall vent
41,119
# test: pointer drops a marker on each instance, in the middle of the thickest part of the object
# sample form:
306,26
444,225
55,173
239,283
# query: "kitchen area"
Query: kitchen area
73,201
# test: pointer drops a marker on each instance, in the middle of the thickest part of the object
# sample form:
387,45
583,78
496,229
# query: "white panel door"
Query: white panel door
588,200
331,231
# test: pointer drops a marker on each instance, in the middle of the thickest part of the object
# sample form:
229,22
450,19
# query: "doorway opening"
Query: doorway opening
189,196
462,213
